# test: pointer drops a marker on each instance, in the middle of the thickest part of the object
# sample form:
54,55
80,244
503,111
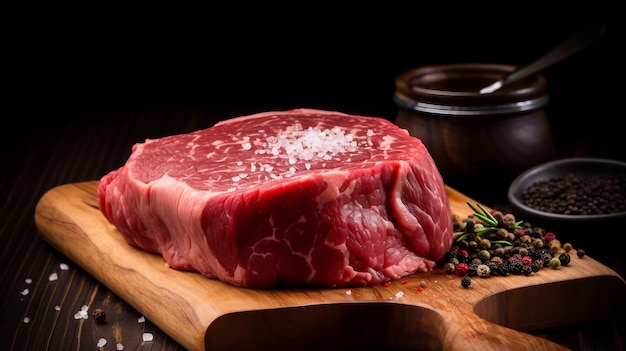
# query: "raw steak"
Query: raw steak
292,198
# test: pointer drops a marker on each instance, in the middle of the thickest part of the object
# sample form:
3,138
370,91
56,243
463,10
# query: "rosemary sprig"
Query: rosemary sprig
483,214
490,225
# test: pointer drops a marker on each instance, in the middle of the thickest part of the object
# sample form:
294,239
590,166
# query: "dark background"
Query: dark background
243,59
81,84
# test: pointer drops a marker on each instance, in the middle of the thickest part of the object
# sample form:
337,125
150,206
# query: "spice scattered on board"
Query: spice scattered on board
491,243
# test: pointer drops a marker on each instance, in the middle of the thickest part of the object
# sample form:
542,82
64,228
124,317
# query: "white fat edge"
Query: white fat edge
334,179
183,220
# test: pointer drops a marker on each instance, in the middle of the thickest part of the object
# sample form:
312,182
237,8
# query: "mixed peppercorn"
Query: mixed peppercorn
489,243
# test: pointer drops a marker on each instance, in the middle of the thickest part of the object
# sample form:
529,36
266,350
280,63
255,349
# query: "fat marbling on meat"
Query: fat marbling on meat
301,197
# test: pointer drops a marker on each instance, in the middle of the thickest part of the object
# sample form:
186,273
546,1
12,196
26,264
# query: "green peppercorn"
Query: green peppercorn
454,260
555,263
538,243
484,244
484,255
498,215
497,260
523,251
466,282
510,237
555,245
507,249
501,233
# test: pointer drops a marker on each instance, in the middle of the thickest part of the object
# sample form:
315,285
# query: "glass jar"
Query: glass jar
476,139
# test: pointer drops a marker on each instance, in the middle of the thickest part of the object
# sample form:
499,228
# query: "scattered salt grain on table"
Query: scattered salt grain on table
348,292
83,313
141,319
147,337
399,294
53,277
26,320
101,342
28,280
24,292
57,308
119,346
64,266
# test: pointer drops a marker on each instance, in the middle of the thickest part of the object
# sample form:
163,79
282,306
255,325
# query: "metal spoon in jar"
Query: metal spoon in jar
572,44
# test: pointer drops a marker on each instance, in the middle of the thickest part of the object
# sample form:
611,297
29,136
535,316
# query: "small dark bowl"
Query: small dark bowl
582,231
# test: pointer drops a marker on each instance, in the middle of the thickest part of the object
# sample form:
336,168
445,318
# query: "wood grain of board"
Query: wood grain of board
207,314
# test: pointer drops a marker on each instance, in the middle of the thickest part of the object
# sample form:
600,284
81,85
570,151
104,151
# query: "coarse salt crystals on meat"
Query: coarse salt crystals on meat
298,198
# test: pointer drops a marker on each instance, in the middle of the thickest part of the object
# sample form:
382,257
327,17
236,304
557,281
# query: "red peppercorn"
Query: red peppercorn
515,257
549,236
527,260
461,269
387,283
404,281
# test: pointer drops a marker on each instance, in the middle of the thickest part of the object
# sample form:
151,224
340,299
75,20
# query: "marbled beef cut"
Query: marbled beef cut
292,198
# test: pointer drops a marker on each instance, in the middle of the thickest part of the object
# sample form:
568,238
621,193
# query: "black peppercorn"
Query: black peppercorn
466,281
537,265
580,253
99,316
471,269
527,270
472,245
564,258
577,195
450,254
456,226
503,269
515,267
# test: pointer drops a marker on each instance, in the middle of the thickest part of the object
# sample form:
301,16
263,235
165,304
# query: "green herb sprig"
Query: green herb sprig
490,224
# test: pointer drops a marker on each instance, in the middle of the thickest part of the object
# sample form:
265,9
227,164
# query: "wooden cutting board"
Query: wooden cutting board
202,313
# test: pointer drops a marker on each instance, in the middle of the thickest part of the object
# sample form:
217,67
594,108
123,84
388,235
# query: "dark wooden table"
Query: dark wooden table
42,291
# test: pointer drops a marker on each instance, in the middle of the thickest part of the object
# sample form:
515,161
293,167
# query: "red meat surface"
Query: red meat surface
290,198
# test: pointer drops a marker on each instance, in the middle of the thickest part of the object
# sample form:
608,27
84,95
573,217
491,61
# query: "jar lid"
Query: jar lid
454,89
